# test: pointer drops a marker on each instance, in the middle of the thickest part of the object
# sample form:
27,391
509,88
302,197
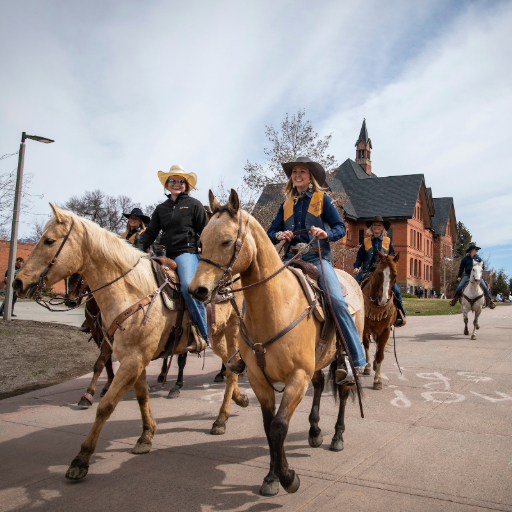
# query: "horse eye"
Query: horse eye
49,241
227,242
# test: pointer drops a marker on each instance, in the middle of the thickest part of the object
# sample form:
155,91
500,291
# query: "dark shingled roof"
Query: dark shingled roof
392,197
363,135
442,206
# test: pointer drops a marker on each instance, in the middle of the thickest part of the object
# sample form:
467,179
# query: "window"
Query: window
361,236
390,234
349,234
410,270
419,269
426,273
411,241
415,267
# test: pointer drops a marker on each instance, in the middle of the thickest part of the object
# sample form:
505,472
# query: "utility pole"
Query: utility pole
15,222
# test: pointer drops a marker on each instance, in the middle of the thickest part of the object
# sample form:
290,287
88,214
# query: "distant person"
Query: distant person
136,224
17,266
466,267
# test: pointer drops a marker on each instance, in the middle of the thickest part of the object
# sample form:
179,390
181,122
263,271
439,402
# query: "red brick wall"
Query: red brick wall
22,250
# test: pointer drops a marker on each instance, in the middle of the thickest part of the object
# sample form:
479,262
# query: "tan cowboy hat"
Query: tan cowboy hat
315,168
177,170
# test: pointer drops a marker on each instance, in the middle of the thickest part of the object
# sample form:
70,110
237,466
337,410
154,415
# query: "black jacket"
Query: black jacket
466,265
181,223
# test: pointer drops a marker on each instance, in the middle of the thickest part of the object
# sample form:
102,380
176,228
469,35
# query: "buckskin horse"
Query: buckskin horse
277,323
380,312
473,298
124,288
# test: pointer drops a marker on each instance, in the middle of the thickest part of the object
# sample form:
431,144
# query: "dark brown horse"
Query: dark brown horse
380,312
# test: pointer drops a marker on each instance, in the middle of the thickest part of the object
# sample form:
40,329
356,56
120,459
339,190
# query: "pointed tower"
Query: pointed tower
363,148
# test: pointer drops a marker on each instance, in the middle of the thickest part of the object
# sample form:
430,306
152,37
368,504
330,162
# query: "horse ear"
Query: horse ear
381,256
57,214
234,202
397,257
214,204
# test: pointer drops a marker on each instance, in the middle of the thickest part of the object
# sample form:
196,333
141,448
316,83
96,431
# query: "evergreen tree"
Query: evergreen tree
463,239
500,284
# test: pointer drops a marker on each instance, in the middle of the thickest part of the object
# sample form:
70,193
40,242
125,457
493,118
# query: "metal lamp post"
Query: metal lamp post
16,221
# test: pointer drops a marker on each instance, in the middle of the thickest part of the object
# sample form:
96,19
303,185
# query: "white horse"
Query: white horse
473,298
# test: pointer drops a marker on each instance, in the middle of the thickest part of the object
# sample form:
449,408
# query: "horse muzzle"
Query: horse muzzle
200,293
22,291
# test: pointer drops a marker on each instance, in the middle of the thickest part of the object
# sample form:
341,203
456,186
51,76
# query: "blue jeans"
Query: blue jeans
347,325
398,295
463,282
187,265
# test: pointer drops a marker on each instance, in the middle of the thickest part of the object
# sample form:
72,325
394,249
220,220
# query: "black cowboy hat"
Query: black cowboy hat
314,168
471,247
378,218
138,213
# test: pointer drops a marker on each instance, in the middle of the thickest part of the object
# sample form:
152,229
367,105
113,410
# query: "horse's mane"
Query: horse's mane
109,247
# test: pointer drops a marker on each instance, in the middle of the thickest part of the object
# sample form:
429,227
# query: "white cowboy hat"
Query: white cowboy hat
177,170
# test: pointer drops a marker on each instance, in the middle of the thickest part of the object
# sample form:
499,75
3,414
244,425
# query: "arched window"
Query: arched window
411,264
415,267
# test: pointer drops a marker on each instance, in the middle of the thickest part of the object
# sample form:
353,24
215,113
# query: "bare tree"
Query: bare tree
107,211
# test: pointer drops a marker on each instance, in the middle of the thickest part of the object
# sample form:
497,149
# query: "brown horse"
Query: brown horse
297,357
380,312
122,278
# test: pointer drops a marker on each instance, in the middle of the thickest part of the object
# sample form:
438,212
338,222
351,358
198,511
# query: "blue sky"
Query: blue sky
129,88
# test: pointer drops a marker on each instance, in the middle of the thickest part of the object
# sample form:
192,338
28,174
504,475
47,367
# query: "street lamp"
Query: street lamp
444,262
16,221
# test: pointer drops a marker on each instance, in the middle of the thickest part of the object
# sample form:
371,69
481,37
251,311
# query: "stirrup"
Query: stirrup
400,319
455,299
198,344
489,302
344,375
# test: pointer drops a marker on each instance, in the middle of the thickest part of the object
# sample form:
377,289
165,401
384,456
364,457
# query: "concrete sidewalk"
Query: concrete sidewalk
30,310
437,438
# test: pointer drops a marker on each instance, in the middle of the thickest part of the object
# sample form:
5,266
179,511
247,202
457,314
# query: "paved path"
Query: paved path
30,310
437,438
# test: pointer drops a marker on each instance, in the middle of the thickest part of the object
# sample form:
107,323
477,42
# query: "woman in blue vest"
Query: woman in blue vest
466,266
308,207
369,252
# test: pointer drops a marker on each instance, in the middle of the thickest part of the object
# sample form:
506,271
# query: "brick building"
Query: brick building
22,251
423,228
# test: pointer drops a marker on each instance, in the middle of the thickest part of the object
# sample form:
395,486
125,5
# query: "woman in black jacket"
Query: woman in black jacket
181,219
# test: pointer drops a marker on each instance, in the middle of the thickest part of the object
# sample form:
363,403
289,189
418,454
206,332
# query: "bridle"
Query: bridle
57,301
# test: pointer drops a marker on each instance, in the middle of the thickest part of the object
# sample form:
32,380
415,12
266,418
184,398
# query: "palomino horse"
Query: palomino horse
121,277
380,312
76,289
473,298
271,307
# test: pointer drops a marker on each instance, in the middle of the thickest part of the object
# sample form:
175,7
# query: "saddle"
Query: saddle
165,268
312,291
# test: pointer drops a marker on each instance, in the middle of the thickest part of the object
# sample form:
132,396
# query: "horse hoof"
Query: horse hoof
466,333
367,371
473,336
269,488
174,393
219,378
160,379
141,448
218,430
294,487
86,401
377,385
336,445
316,442
243,401
76,473
477,327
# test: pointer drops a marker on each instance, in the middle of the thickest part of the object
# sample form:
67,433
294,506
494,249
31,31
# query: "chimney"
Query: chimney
363,148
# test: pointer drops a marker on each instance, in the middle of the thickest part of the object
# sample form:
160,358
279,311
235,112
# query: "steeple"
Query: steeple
363,148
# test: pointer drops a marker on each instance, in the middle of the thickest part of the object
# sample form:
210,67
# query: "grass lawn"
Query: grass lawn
432,307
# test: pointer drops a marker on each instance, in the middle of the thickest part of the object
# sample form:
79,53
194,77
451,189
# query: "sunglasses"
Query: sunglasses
179,182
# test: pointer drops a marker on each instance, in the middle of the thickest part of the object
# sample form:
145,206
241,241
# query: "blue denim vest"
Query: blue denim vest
369,251
313,218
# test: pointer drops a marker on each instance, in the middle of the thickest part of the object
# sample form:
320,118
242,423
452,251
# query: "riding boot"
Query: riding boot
400,319
489,302
455,299
237,367
344,375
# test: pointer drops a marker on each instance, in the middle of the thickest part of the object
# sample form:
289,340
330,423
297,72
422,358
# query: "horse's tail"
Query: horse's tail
335,388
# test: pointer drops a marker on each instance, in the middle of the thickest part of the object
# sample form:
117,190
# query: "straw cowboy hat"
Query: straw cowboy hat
177,170
378,218
314,168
